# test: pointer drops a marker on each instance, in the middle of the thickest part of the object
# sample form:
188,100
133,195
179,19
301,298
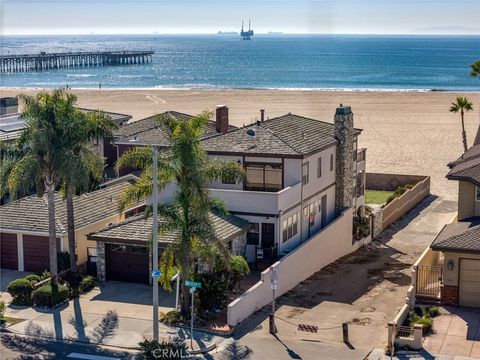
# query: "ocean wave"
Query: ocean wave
81,75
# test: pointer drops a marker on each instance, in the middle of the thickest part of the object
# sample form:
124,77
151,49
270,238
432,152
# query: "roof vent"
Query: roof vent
251,132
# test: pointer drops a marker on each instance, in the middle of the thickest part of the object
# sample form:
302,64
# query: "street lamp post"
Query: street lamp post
155,241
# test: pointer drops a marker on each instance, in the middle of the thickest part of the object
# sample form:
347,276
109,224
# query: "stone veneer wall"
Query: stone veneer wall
239,244
101,270
343,123
449,295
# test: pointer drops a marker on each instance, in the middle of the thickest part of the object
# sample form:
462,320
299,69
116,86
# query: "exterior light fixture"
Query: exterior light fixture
450,265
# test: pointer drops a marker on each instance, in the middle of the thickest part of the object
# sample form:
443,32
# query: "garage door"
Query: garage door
8,251
127,263
35,253
469,289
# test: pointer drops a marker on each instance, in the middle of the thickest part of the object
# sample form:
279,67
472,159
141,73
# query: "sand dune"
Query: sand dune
405,132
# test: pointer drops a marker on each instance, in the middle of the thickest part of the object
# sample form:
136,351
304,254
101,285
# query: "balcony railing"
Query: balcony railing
361,155
259,201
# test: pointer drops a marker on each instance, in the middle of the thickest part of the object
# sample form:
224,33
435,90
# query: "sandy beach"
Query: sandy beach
404,132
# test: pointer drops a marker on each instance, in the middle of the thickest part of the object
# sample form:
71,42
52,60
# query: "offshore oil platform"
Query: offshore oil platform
247,35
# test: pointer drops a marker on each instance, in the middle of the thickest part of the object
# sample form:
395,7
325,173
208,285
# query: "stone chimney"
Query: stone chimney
262,114
343,124
221,119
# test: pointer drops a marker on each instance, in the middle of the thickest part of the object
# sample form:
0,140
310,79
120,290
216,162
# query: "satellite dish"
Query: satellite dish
251,132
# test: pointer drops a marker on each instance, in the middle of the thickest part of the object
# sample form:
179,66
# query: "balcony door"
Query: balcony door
268,240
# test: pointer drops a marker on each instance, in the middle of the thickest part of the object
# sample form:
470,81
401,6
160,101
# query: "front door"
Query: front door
268,240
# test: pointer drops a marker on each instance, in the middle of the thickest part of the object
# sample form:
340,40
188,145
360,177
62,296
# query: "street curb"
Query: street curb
70,341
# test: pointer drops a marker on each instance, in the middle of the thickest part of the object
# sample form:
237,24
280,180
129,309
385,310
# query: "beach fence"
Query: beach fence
386,215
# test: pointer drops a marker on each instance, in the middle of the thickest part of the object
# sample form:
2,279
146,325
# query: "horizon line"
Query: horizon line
274,33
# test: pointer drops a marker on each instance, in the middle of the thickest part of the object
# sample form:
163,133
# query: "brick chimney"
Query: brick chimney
343,124
262,114
221,119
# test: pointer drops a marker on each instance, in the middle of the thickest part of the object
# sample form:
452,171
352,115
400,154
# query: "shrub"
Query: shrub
427,324
239,269
212,293
361,227
432,311
33,278
21,291
2,309
172,317
87,284
63,261
45,274
48,296
171,349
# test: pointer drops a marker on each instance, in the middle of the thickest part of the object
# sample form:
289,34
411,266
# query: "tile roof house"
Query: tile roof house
24,224
300,173
123,248
457,246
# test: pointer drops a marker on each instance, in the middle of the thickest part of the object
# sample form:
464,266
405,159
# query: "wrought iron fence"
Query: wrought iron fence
429,280
404,331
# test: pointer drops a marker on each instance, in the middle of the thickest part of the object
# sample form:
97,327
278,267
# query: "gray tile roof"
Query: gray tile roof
284,135
467,169
31,213
462,236
117,118
148,130
138,229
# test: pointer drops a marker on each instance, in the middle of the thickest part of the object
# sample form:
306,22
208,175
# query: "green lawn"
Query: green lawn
376,197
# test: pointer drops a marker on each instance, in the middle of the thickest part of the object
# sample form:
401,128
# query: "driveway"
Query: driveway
456,332
6,276
114,313
365,289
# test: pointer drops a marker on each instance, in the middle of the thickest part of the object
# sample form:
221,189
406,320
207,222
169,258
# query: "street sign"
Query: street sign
308,328
193,284
156,274
273,278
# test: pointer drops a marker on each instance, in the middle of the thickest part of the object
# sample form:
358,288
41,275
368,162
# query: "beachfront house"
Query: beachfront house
300,173
449,271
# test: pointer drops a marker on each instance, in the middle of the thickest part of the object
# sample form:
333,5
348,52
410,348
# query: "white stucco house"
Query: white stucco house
300,173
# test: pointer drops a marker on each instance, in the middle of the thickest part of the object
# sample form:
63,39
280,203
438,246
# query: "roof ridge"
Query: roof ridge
282,140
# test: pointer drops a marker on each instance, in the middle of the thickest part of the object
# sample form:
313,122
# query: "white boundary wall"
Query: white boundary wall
328,245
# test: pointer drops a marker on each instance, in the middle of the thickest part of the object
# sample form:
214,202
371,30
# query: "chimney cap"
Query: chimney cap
221,106
343,110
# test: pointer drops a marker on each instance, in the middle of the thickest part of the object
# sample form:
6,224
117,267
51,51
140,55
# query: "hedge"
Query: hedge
21,291
46,296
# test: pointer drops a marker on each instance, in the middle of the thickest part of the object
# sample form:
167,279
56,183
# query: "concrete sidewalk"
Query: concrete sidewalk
115,314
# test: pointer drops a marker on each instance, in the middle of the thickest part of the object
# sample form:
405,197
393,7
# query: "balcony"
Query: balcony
259,201
361,159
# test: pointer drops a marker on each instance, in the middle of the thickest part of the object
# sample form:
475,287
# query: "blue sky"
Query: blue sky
289,16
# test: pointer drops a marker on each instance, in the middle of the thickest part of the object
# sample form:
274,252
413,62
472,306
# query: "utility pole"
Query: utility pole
155,272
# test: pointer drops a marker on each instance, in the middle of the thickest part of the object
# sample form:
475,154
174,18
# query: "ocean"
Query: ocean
287,62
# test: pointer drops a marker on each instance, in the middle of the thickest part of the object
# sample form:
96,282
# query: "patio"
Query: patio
456,332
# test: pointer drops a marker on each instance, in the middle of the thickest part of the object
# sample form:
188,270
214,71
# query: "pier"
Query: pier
48,61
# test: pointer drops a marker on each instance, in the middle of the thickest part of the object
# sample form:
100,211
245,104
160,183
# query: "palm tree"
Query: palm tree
85,164
188,216
475,72
43,145
463,105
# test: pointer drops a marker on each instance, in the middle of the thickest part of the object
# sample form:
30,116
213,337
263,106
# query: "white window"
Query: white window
305,173
319,167
331,162
290,227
